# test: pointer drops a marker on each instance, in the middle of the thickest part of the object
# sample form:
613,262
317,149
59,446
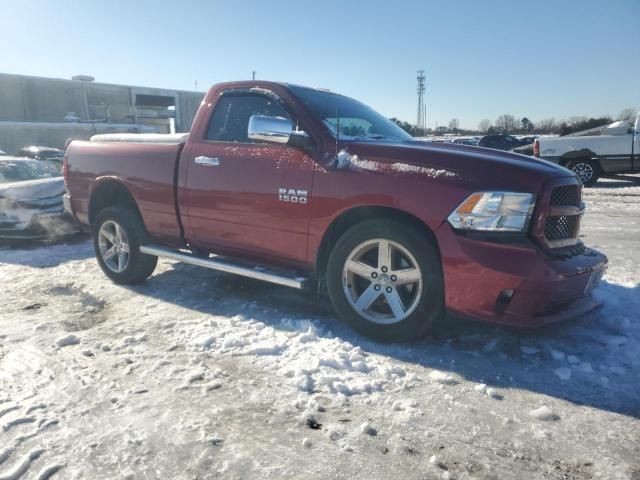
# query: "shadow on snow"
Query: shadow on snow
478,352
31,253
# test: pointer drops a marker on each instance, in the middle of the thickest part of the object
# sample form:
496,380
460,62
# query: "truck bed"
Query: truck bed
173,138
147,169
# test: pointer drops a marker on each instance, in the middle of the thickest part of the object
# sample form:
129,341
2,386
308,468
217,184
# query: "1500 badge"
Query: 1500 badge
292,195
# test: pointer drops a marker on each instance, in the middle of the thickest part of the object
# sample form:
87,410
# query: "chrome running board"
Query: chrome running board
225,266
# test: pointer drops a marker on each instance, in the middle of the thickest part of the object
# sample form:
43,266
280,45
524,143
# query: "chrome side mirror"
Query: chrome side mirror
263,128
269,129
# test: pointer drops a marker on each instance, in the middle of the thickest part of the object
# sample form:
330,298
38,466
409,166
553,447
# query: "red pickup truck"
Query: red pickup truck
300,186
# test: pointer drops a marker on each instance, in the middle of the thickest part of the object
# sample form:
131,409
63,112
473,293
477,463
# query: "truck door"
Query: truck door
242,196
617,153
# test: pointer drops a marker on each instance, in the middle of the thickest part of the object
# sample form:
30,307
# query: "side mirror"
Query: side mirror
269,129
275,130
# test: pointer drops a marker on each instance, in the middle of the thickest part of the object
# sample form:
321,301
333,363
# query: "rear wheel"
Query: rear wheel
385,279
587,171
117,235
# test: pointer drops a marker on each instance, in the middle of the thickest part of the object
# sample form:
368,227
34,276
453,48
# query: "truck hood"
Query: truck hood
485,167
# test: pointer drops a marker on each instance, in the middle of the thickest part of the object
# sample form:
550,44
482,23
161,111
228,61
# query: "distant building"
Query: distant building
48,111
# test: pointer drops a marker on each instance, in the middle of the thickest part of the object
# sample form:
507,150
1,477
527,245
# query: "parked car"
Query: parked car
528,140
31,200
604,150
272,184
465,141
500,142
54,155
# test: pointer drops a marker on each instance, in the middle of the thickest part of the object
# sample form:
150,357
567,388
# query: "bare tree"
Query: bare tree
506,123
576,119
628,114
484,125
454,124
548,125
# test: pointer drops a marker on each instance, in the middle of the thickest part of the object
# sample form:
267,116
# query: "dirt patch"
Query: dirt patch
79,310
569,471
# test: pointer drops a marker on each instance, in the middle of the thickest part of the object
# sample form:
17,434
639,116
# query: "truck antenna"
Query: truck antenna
337,127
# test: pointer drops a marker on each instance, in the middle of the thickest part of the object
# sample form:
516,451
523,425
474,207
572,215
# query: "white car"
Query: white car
31,200
614,148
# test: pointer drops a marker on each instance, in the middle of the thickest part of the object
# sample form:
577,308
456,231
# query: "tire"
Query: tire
587,170
421,303
115,230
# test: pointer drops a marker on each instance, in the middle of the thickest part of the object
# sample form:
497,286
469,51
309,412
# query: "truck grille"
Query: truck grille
559,225
565,196
561,228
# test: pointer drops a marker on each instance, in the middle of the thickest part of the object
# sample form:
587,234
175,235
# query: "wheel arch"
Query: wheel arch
583,154
356,215
110,192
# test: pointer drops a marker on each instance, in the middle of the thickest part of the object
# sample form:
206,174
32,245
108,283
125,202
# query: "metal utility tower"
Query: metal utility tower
422,108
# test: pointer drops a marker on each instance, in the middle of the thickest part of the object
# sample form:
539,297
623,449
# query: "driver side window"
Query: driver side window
230,119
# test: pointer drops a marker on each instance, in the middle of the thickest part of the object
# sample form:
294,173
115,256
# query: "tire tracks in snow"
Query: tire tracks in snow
24,463
22,466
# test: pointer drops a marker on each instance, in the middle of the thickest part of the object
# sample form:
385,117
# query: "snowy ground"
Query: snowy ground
198,375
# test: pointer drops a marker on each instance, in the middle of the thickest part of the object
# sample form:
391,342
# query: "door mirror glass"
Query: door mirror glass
263,128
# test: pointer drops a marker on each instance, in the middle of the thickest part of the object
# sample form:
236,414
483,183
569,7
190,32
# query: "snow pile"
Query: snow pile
67,340
544,413
442,378
367,429
493,393
309,358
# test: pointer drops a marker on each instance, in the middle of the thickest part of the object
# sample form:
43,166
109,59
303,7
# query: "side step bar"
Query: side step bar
225,266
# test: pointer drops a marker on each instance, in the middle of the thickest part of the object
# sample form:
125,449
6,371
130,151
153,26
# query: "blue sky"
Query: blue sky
538,59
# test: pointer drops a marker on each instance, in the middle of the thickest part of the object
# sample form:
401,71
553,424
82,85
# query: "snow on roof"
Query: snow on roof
141,137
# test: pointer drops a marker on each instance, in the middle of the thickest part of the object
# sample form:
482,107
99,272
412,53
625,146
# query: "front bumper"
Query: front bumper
546,289
47,225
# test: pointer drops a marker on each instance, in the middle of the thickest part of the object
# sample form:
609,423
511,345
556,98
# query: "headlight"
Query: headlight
494,211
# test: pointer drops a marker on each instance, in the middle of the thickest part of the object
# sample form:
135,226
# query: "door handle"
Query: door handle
207,161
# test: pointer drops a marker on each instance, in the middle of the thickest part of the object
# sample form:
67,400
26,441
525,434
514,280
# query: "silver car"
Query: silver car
31,200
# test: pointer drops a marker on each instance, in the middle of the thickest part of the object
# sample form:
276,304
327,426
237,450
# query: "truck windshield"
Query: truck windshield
355,120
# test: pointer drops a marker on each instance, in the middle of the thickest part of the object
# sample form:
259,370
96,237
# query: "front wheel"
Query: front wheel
587,171
384,278
117,235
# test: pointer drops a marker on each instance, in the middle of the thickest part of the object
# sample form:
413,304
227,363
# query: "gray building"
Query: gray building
48,111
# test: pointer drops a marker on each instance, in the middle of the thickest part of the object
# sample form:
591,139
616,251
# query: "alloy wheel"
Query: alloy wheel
113,245
382,281
584,171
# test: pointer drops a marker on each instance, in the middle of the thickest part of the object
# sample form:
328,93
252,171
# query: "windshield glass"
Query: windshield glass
356,121
50,155
20,170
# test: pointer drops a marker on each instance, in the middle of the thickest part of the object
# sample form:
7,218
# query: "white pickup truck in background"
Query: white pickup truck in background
610,149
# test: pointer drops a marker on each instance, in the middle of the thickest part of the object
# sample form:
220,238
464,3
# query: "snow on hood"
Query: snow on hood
33,189
446,161
346,160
